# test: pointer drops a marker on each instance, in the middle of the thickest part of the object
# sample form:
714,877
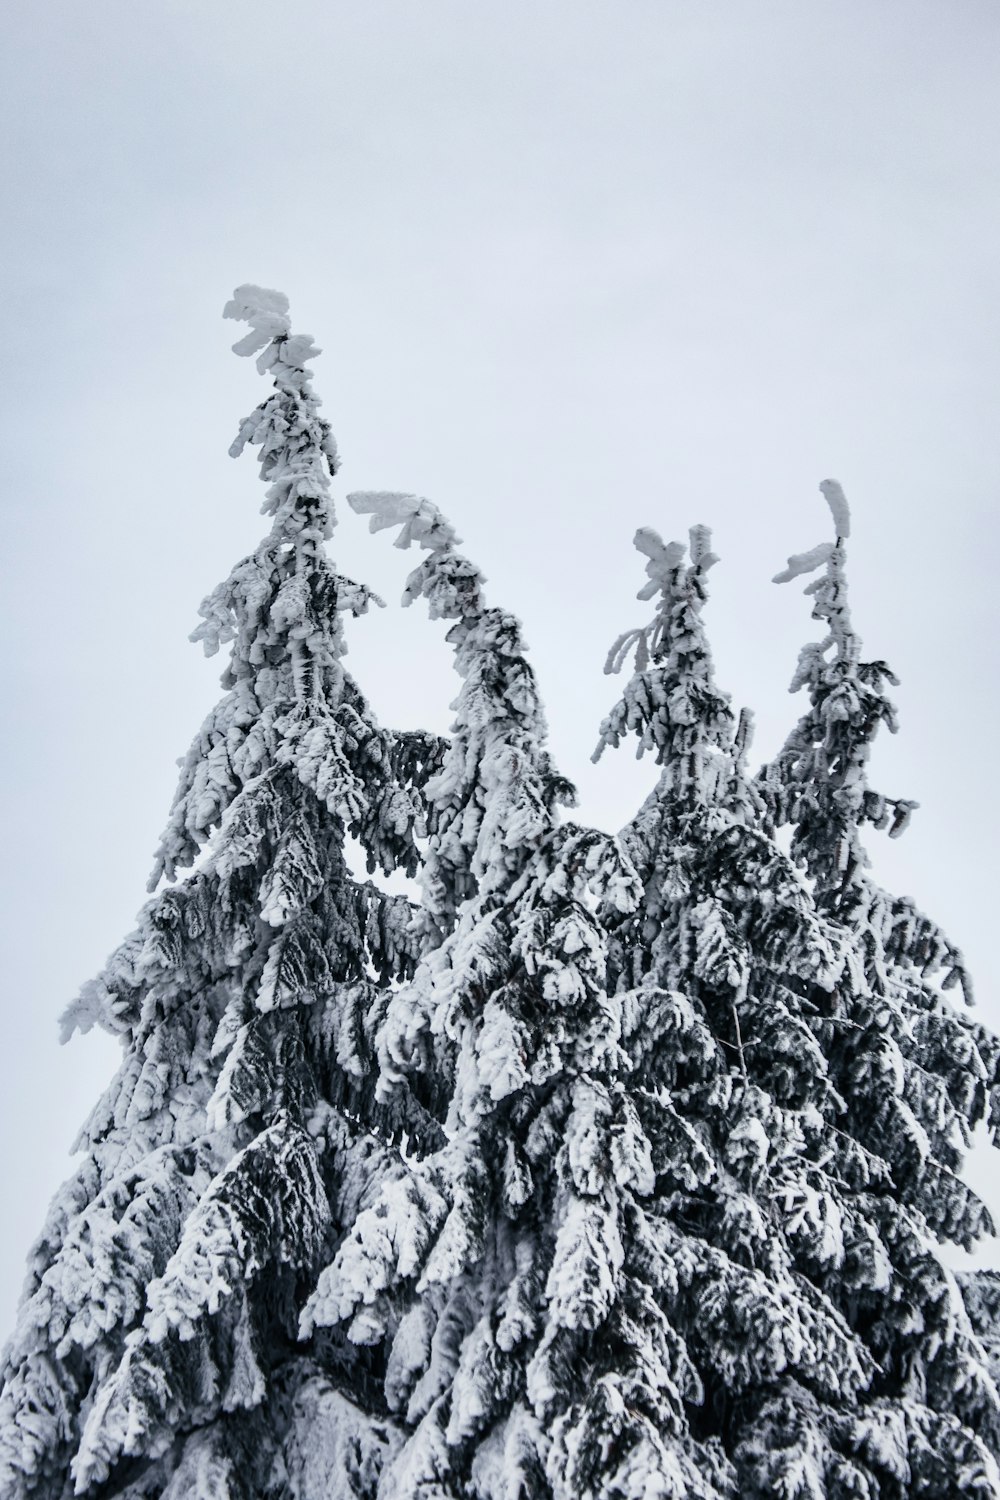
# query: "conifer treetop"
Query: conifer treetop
824,760
671,703
494,796
280,607
830,589
267,312
818,781
307,463
665,573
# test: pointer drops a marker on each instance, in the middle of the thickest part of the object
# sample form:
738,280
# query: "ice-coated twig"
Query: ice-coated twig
270,329
664,569
837,501
419,520
807,562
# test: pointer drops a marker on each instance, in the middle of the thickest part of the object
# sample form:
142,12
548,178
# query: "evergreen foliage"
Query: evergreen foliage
830,1083
615,1168
161,1303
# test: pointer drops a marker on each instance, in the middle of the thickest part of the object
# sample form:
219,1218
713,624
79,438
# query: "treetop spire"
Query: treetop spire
288,699
830,592
298,452
671,704
267,312
495,794
819,779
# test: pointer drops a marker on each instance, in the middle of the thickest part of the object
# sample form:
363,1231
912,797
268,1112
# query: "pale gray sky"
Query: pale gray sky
576,267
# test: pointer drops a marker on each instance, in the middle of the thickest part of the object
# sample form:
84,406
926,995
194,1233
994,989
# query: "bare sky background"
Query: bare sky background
576,268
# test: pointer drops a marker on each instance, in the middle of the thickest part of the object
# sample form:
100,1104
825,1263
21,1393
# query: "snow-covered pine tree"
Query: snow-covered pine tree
916,1075
727,1075
649,1257
156,1349
524,1352
789,1262
611,1172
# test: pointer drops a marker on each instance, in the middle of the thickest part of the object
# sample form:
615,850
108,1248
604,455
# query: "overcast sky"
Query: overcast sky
576,268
